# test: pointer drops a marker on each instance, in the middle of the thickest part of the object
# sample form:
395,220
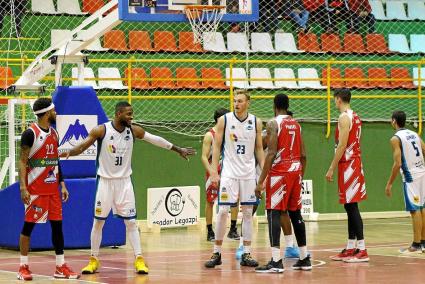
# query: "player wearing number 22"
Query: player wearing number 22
114,186
351,183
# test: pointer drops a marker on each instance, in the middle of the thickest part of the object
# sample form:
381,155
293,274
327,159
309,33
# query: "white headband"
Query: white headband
46,109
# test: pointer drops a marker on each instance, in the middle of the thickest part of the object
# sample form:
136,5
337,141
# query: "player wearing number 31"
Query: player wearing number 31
114,186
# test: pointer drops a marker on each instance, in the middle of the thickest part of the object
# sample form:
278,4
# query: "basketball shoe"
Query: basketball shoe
359,256
271,267
215,260
344,254
64,271
292,252
92,267
210,236
24,273
140,266
233,234
247,260
302,264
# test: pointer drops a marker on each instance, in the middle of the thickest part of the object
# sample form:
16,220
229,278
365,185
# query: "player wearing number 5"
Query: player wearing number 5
238,138
351,183
408,149
114,186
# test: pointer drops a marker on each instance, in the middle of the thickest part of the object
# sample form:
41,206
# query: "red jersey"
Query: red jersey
207,174
288,156
353,144
42,166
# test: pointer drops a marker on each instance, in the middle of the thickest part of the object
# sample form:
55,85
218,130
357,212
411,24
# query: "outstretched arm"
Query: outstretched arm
395,144
158,141
96,133
344,130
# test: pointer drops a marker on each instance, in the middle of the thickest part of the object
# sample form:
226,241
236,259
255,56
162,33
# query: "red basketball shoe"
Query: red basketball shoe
66,272
344,254
360,256
24,273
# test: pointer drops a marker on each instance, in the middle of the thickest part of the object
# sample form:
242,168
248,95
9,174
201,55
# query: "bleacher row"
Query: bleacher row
260,78
394,10
165,41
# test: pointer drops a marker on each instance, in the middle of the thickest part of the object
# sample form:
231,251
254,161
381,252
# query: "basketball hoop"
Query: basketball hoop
204,20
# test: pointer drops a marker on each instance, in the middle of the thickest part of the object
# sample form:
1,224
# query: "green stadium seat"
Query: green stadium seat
187,73
213,73
357,78
6,77
331,43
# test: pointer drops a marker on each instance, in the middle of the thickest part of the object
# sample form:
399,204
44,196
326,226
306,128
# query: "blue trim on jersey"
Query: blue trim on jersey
250,203
409,205
405,169
120,132
232,204
234,113
125,218
100,218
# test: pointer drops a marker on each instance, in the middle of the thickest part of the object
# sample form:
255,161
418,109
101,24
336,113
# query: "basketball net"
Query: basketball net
204,20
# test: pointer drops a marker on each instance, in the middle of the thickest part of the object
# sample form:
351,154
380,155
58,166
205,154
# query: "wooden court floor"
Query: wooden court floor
176,256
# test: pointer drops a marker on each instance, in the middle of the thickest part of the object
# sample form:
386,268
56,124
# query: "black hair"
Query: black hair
41,103
281,102
120,105
344,94
400,117
290,113
219,113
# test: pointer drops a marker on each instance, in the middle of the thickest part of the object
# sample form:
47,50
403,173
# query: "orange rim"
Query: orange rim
203,7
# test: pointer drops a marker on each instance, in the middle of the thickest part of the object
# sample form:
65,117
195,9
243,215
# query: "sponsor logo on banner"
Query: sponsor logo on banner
173,206
307,197
72,130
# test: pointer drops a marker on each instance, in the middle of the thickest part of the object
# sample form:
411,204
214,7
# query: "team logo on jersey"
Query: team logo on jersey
98,210
41,138
232,127
174,202
74,133
127,138
250,121
51,177
112,149
98,203
112,138
249,127
233,137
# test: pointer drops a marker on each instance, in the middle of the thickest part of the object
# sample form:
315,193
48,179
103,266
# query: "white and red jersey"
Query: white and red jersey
352,150
42,166
288,156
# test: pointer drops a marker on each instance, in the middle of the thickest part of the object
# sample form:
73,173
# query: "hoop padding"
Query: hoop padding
204,20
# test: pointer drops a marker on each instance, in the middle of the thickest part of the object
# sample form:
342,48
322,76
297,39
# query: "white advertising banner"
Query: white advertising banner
177,206
307,201
72,130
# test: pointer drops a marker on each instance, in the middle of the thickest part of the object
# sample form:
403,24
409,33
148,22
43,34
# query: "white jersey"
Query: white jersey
115,151
412,159
238,154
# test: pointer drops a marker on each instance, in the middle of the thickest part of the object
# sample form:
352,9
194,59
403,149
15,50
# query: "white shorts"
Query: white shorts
232,190
116,194
414,193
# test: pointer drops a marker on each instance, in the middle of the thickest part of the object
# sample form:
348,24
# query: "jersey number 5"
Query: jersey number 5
240,149
416,148
118,161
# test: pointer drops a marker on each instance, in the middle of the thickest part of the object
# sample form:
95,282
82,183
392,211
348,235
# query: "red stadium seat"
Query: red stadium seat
115,40
376,43
140,41
213,73
91,6
378,73
308,42
356,74
186,43
401,73
138,78
164,41
331,43
187,73
334,74
6,72
353,43
161,73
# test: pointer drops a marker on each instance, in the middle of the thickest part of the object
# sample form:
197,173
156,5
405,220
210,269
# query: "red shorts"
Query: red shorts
43,208
351,183
283,192
211,191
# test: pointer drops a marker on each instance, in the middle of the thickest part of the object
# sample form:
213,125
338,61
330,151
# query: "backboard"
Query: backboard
173,10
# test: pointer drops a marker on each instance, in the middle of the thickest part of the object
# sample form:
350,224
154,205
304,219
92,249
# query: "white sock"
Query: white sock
303,252
60,259
133,236
351,244
217,248
361,245
96,236
24,260
276,254
241,242
289,241
246,249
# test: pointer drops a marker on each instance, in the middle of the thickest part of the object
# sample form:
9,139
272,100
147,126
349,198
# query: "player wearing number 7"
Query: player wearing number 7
408,149
351,183
114,186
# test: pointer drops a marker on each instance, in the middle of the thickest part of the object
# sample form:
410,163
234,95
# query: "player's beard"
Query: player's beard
52,119
125,123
